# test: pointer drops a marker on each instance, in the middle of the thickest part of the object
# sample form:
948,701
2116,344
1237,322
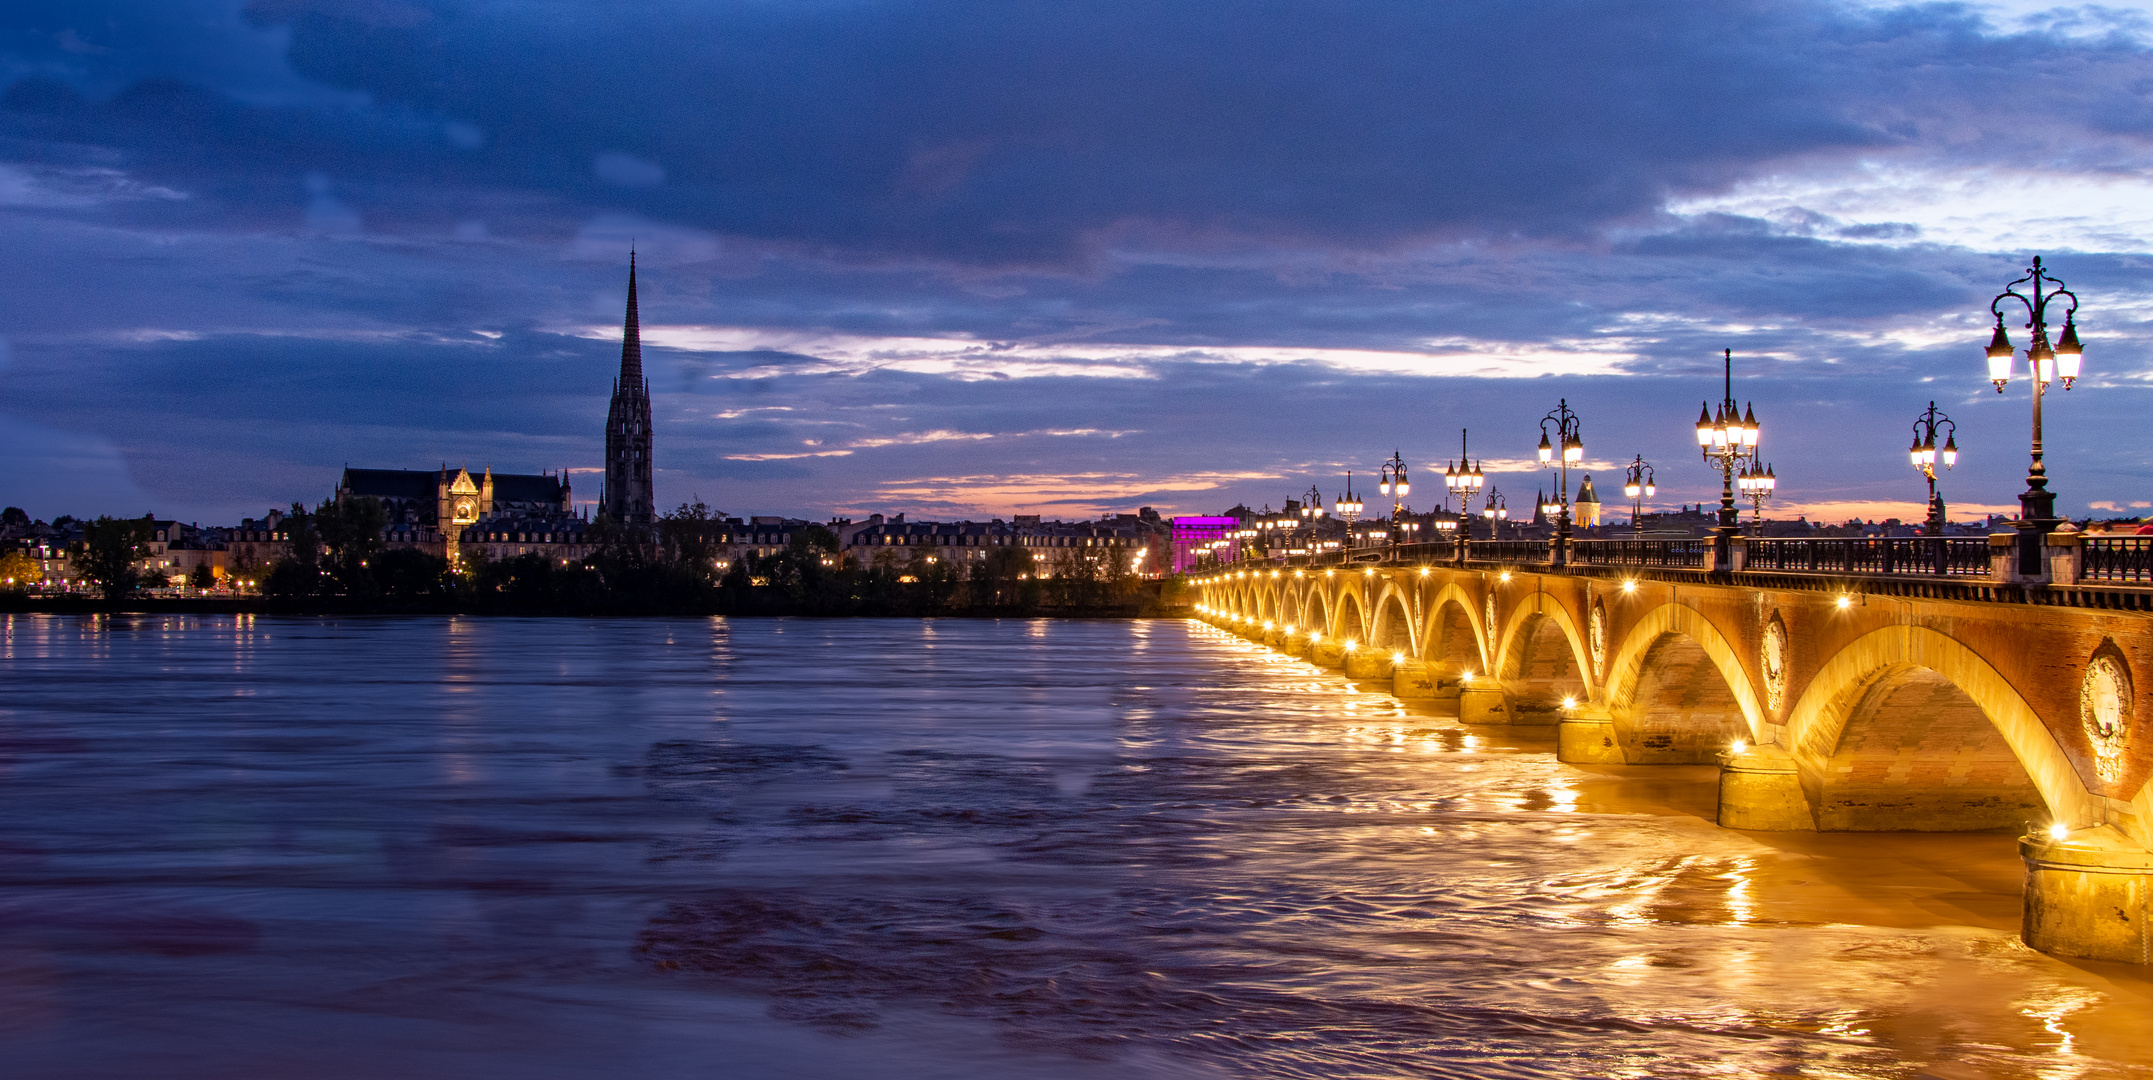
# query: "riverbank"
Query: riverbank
1151,600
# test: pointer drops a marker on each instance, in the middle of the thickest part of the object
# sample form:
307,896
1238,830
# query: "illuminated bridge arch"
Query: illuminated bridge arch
1907,728
1541,660
1677,691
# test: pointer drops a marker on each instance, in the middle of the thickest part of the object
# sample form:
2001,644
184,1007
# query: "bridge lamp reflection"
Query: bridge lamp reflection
2059,831
1504,576
1351,645
1844,602
1629,586
1739,746
1569,703
1397,658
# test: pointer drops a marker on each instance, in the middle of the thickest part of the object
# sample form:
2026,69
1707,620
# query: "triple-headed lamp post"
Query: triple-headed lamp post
1395,484
2037,504
1925,456
1569,433
1497,511
1349,507
1757,484
1728,439
1638,486
1464,479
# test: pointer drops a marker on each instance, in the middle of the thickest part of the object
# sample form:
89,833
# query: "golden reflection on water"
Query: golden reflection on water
1902,943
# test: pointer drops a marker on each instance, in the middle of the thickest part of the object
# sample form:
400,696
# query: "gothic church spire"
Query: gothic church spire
629,498
631,345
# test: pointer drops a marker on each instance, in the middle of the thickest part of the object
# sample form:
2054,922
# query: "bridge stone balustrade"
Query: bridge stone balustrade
1831,702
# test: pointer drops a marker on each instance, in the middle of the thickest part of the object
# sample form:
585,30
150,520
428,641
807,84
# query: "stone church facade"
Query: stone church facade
456,515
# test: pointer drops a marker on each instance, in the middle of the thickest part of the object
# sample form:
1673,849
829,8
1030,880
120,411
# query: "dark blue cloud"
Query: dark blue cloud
247,244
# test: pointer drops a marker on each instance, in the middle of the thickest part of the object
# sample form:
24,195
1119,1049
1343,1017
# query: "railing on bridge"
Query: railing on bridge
1513,551
2107,559
1951,556
2116,558
1691,554
1432,551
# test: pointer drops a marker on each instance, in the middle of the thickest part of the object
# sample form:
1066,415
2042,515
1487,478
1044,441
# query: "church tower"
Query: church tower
628,497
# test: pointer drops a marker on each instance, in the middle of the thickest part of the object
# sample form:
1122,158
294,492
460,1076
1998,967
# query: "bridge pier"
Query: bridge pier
1760,789
1413,680
1481,701
1330,653
2089,894
1587,740
1363,662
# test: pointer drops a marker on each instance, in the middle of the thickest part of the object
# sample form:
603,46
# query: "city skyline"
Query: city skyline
887,266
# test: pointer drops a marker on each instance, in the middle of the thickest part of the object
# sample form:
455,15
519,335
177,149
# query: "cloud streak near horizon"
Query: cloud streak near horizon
998,257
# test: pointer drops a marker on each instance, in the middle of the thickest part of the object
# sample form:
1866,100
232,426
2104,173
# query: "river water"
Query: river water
326,848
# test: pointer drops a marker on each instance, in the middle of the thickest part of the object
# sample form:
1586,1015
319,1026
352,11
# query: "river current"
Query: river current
326,848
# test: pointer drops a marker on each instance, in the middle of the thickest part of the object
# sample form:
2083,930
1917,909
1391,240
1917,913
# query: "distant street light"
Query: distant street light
1925,455
2037,504
1349,507
1497,511
1757,486
1638,486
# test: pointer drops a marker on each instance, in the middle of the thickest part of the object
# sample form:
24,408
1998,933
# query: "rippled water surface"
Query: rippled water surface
263,847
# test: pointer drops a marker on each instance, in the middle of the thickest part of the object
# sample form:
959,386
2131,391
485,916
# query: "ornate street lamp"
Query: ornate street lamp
1925,455
2037,504
1728,439
1757,485
1497,511
1464,479
1349,507
1569,433
1638,486
1395,484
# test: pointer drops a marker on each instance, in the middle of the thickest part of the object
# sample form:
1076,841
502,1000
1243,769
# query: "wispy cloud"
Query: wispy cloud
1086,492
970,359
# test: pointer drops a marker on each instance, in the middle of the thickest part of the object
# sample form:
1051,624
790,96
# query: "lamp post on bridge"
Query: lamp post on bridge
1728,440
2037,504
1638,486
1395,484
1925,455
1757,485
1464,479
1349,507
1569,433
1497,511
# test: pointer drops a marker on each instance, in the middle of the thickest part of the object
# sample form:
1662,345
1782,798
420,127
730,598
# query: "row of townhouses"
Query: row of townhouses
462,518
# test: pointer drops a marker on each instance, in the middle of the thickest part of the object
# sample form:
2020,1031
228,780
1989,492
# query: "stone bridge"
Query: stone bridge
1833,702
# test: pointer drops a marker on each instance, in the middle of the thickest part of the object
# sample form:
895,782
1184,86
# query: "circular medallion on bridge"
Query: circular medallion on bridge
2104,707
1773,659
1596,638
1487,622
